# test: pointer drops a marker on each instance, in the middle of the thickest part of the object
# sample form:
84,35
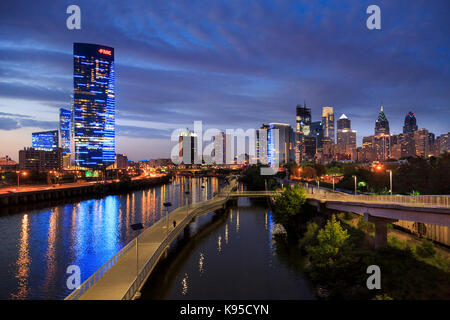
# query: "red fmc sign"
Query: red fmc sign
104,51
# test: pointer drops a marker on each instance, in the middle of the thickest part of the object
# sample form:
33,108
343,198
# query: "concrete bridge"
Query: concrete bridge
380,210
124,275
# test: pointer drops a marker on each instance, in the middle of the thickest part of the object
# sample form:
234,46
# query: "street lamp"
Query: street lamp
136,227
18,177
355,183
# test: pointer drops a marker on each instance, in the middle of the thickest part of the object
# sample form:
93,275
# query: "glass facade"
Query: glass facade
328,124
93,106
45,140
64,129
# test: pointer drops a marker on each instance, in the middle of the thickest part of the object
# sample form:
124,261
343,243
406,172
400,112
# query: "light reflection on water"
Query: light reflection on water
243,262
39,245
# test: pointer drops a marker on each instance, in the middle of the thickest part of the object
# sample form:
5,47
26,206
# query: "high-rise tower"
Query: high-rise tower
93,106
328,124
382,123
410,123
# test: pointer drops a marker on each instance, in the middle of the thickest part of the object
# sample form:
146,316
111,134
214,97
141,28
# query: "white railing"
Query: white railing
440,201
96,276
151,262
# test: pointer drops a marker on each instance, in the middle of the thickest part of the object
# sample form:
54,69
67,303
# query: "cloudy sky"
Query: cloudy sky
231,64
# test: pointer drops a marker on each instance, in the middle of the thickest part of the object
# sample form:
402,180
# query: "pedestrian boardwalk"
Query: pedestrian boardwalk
125,273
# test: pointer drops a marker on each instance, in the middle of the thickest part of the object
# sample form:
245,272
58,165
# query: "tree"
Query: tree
308,173
332,240
288,204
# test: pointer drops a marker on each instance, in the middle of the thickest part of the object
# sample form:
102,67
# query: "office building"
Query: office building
188,148
382,123
410,123
40,160
45,140
303,120
65,122
93,126
346,140
328,124
279,149
121,161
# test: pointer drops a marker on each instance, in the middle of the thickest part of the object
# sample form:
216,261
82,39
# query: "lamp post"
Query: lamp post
355,183
18,177
136,227
390,181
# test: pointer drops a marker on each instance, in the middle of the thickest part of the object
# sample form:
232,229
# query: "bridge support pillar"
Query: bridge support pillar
380,229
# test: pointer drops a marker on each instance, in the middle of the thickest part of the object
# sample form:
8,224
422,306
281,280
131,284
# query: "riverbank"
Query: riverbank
45,194
340,252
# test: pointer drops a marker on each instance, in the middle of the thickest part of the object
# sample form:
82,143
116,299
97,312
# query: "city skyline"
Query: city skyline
173,71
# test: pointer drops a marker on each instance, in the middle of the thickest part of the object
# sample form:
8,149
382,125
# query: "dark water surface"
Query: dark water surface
37,246
231,256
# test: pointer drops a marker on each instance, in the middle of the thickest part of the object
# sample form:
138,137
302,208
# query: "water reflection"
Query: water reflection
39,245
201,263
253,266
184,285
23,261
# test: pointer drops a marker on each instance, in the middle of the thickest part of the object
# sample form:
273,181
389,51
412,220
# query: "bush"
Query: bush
382,297
425,249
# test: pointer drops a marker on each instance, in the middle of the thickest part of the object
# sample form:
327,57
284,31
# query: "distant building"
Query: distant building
188,148
410,123
7,164
346,140
121,161
382,146
158,163
382,123
262,145
280,149
422,143
303,120
45,140
328,124
65,122
222,143
40,160
442,144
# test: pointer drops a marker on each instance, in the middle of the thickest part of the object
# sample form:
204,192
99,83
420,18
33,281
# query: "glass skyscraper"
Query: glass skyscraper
64,129
93,127
328,124
45,140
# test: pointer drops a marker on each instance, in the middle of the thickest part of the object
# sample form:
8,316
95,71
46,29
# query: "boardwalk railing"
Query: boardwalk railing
96,276
218,199
438,201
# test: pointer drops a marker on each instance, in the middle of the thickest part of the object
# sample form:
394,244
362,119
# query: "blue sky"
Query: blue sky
231,64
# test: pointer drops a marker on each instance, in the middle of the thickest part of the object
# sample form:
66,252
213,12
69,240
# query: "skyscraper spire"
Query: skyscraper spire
381,109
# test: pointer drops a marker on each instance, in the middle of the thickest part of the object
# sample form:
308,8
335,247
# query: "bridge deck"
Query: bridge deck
115,282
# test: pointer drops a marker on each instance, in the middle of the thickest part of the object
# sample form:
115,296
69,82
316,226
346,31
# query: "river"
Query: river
231,256
37,246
